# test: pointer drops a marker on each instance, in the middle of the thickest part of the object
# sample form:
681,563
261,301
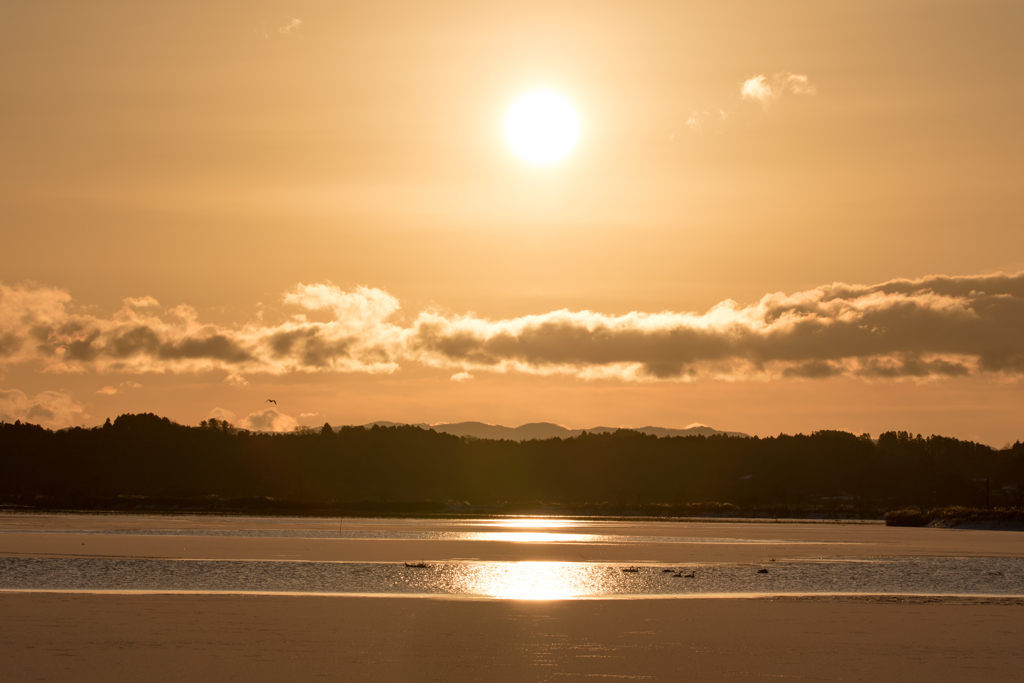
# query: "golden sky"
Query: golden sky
207,204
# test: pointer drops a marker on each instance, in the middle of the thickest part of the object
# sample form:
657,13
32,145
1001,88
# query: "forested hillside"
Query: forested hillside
152,457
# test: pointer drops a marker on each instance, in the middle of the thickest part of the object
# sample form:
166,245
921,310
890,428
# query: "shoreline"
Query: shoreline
873,598
453,516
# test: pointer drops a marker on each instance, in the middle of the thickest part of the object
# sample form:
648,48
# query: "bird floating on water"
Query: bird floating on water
762,570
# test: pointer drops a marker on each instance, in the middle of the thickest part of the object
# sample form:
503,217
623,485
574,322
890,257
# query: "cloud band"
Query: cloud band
937,326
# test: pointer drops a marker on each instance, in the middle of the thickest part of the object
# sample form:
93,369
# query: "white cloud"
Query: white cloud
51,409
222,414
461,377
308,414
107,391
759,89
236,380
131,385
269,421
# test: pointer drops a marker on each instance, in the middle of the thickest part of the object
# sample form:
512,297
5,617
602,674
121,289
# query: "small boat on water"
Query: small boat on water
417,565
631,570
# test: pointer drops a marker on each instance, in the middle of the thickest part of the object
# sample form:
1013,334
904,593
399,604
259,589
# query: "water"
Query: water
526,580
432,535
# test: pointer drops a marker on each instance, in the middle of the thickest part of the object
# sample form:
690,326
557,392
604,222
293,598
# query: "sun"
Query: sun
542,127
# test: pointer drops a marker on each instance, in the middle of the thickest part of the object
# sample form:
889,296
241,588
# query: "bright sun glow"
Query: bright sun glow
542,127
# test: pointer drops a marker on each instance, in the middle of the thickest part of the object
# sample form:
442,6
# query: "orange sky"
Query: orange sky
244,163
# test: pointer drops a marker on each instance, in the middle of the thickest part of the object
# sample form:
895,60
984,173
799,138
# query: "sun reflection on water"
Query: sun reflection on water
533,523
533,537
531,580
528,533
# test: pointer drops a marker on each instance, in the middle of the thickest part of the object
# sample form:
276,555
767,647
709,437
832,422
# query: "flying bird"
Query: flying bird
270,400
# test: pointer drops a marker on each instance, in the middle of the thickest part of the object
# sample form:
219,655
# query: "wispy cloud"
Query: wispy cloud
287,27
290,26
760,89
110,390
938,326
700,121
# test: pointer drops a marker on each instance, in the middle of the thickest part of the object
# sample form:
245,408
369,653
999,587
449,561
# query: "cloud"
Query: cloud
41,325
107,391
131,385
928,328
52,409
222,414
759,89
308,414
934,327
269,421
142,302
699,121
290,26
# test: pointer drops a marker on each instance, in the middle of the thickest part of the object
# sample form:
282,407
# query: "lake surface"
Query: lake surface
528,580
124,566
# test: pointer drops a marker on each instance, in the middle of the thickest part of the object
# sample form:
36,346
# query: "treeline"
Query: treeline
151,457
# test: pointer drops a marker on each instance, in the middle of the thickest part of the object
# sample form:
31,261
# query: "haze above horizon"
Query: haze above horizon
779,218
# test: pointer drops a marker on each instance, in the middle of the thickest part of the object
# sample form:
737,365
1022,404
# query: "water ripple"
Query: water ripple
523,580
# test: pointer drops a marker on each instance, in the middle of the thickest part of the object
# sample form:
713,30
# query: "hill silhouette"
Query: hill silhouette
547,430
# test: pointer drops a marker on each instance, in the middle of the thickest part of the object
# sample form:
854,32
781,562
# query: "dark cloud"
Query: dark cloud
215,347
132,342
10,344
815,369
82,349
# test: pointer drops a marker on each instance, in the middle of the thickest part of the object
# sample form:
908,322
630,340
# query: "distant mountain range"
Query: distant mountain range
547,430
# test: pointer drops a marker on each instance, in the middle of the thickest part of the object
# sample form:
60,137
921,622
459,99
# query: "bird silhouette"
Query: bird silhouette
762,571
270,400
691,575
